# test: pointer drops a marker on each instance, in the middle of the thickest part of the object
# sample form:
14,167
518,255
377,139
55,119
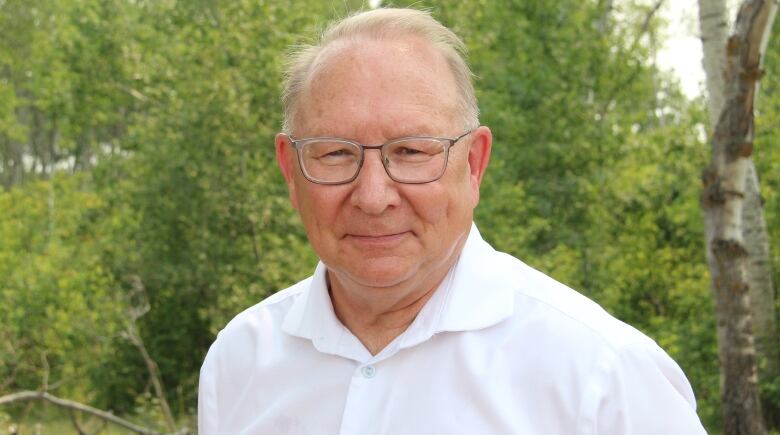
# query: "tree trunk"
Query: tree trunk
714,28
723,202
758,272
759,267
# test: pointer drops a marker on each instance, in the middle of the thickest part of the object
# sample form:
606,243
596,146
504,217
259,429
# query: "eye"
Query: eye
337,153
416,150
407,151
331,152
341,151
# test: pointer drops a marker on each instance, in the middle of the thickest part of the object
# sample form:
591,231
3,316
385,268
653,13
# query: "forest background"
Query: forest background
141,208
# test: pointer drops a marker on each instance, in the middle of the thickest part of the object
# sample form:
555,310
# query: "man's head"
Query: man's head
374,77
381,24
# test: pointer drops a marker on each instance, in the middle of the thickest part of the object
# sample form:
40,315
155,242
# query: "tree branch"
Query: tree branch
644,28
74,419
69,404
131,333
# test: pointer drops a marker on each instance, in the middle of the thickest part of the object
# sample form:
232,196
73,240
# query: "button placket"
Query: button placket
363,392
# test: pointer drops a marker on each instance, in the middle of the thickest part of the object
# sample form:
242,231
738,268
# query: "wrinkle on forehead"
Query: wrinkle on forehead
355,47
354,72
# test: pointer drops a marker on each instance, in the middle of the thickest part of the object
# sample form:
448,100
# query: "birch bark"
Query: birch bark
714,29
723,202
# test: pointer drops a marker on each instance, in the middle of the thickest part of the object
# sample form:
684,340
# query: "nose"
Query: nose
374,190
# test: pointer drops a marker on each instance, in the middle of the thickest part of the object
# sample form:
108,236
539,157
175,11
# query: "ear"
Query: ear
285,158
479,156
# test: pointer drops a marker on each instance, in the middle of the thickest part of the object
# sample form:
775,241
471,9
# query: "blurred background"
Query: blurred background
141,207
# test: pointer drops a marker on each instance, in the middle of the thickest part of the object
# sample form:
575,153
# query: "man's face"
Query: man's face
373,231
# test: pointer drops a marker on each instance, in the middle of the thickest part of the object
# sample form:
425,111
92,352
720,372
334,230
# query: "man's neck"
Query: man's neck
378,316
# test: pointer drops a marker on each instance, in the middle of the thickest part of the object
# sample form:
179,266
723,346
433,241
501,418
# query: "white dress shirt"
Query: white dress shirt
500,348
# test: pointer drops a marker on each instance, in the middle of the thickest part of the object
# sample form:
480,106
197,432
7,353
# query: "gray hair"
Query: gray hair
380,24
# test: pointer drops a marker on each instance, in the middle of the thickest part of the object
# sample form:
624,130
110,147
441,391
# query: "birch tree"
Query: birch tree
724,199
714,28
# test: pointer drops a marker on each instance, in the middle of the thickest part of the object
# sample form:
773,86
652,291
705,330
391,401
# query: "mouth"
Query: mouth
378,239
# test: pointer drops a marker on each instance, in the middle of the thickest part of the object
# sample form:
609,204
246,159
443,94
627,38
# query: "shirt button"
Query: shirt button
368,371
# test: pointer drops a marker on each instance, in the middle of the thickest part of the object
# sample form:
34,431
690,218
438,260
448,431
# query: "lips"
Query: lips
378,239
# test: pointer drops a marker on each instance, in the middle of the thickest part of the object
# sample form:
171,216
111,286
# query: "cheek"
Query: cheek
448,201
318,205
463,191
433,204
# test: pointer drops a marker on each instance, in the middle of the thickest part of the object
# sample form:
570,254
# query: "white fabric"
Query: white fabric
499,349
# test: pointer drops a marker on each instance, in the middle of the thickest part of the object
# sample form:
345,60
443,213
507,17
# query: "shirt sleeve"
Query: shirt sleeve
208,419
641,390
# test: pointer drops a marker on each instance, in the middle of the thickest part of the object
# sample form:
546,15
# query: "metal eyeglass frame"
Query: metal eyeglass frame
299,143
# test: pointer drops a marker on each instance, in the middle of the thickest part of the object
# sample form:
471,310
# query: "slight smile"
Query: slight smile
377,239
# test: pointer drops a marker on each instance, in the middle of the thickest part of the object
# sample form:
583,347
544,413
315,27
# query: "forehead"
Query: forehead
378,87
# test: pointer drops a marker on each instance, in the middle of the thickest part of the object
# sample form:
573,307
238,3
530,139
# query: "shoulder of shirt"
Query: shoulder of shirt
287,294
275,305
569,309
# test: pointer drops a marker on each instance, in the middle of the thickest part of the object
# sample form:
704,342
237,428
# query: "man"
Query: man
411,323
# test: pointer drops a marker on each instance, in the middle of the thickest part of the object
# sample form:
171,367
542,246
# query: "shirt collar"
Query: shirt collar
473,295
312,317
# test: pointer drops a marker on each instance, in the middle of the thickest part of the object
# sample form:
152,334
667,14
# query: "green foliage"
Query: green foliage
60,310
211,232
767,149
767,159
178,104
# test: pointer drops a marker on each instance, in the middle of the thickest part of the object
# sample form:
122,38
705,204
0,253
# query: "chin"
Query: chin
379,273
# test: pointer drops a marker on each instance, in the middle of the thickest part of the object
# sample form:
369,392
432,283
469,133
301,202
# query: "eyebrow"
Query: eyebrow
386,140
402,132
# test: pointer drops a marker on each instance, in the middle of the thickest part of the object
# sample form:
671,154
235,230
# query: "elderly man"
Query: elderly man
411,323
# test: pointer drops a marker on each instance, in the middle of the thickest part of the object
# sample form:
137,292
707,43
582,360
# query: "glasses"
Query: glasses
410,160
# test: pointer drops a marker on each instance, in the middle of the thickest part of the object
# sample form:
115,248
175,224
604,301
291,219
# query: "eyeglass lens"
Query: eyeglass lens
411,160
